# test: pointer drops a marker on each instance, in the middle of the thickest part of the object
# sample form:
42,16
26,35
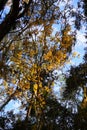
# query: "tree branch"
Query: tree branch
8,22
2,4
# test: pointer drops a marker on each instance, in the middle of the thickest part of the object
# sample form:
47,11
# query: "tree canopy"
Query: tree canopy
36,39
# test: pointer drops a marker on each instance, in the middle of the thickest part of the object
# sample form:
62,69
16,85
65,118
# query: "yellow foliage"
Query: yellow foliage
32,53
40,85
12,47
26,1
35,88
34,59
75,54
13,81
5,84
48,56
19,54
47,89
51,66
10,91
84,101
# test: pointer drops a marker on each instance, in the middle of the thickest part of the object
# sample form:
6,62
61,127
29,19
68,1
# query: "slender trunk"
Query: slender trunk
10,19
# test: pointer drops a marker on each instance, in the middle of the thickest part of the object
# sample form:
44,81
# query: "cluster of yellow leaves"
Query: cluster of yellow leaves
48,56
5,84
24,85
33,52
67,38
84,101
35,88
26,1
8,89
75,54
55,59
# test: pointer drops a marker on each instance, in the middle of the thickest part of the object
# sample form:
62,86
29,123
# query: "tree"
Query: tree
75,83
30,70
78,74
30,52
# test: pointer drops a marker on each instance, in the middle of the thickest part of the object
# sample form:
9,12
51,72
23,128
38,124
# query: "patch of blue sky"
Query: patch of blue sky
79,47
4,13
13,105
75,2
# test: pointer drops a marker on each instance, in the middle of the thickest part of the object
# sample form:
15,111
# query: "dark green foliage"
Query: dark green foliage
77,77
55,117
85,7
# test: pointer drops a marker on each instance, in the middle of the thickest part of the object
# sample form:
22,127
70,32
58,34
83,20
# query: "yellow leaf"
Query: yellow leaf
35,88
26,1
48,55
75,54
